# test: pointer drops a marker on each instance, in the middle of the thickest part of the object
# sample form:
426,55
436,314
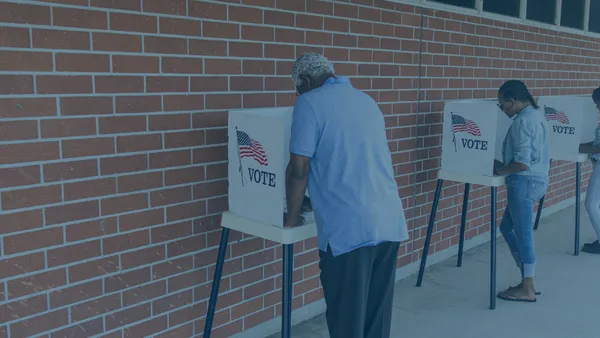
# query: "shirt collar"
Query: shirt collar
336,80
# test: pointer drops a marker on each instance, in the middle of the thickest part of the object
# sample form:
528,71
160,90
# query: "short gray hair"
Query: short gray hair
312,65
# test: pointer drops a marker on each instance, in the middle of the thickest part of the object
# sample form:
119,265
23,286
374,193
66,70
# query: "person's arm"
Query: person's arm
303,144
522,135
589,148
296,179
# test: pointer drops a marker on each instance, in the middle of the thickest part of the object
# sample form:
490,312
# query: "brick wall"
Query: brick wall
113,145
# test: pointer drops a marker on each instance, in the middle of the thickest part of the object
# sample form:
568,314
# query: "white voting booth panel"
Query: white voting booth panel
572,120
474,131
258,156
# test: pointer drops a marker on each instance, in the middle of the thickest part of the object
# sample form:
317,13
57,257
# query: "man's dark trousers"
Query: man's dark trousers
359,288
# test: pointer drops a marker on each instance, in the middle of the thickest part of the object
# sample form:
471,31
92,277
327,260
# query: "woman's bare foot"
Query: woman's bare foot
521,285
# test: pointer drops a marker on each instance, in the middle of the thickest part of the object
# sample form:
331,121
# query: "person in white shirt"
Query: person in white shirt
592,199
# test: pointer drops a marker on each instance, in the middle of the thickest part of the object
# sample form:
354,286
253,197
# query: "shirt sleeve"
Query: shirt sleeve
305,129
523,138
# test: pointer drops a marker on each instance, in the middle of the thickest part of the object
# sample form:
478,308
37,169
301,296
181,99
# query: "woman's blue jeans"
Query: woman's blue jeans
516,227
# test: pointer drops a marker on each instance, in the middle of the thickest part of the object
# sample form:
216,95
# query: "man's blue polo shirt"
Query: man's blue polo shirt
351,181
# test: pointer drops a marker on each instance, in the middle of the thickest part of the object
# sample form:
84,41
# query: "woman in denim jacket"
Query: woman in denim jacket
526,163
592,198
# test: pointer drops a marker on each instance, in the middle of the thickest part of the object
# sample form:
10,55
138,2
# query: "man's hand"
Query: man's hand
288,223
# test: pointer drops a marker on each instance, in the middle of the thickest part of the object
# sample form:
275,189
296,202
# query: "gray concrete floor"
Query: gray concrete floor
453,302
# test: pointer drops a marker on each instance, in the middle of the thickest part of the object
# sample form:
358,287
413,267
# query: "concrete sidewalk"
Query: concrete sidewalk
453,302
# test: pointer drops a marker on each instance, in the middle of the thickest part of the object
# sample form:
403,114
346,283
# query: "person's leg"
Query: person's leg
345,279
525,190
506,228
381,291
592,205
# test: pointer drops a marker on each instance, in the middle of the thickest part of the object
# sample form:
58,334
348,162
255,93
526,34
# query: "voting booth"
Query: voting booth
572,120
259,153
474,131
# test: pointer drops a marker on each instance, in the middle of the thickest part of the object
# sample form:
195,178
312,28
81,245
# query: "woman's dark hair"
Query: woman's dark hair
517,90
596,95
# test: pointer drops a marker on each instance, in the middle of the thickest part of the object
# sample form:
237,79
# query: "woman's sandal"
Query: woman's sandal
513,298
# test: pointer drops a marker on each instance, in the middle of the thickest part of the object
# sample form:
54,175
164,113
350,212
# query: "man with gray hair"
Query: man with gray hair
339,149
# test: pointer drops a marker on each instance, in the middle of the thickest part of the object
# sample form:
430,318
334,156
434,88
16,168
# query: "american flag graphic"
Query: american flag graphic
251,148
460,124
554,115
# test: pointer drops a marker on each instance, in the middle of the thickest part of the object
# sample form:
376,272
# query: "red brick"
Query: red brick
119,84
95,63
173,7
21,265
182,331
135,64
86,105
220,30
190,313
127,316
141,219
138,182
184,139
121,204
210,189
88,189
95,307
86,329
183,102
187,245
88,147
55,39
259,100
245,49
74,253
258,33
210,154
216,171
25,61
143,257
138,104
245,14
259,67
165,45
24,14
70,170
80,18
121,124
139,143
116,42
133,23
169,122
166,84
123,164
24,308
36,283
182,65
71,212
170,196
12,177
180,26
91,229
68,127
127,280
144,293
170,159
14,37
25,198
97,268
28,152
116,4
185,175
208,10
185,211
16,84
217,136
18,130
33,326
209,83
173,301
57,84
222,66
208,47
278,18
27,107
289,35
223,101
